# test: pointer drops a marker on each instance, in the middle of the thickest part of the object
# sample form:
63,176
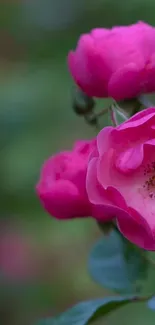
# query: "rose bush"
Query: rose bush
62,185
117,62
121,177
112,177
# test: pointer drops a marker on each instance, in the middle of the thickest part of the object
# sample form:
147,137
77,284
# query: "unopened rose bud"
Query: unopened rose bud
118,63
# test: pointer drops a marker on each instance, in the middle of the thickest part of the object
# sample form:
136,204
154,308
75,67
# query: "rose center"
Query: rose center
149,184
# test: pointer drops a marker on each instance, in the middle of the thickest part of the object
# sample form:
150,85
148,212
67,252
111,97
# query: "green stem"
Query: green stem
149,260
102,112
113,116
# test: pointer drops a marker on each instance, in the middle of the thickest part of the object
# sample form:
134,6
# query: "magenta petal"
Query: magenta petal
85,65
104,139
62,199
96,193
150,142
138,119
103,201
93,154
49,167
101,206
149,82
73,66
124,83
135,228
116,198
78,66
100,33
130,159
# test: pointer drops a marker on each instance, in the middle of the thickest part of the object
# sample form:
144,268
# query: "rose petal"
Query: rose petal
62,200
104,139
135,228
125,83
129,160
139,119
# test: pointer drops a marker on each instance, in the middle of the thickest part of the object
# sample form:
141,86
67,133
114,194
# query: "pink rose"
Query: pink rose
62,186
121,177
117,62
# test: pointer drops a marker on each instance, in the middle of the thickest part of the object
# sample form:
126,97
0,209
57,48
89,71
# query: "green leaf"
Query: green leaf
151,303
115,265
88,311
120,115
136,255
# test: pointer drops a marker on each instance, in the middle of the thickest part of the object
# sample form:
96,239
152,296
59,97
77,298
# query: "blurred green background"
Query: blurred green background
43,262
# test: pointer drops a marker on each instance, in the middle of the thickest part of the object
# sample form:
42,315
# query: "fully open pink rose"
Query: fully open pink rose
62,186
121,177
117,62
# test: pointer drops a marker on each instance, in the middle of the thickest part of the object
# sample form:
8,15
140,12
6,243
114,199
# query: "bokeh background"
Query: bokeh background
43,262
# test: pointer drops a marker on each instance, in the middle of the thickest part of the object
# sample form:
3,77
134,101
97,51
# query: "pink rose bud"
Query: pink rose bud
62,185
121,177
117,62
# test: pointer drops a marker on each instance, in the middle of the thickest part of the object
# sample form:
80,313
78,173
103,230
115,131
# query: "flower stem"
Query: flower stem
149,260
113,116
102,112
